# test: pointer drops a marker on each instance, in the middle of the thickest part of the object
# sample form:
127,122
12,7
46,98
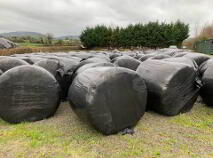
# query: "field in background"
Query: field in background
64,135
27,46
32,49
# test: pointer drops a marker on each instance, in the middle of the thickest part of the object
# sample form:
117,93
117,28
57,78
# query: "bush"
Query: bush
152,35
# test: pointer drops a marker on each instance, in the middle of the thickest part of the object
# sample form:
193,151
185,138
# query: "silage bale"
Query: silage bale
197,57
1,72
51,65
112,56
147,56
62,69
29,60
10,62
91,65
203,67
28,93
91,60
66,72
112,98
127,62
160,56
183,60
207,78
138,56
172,87
180,54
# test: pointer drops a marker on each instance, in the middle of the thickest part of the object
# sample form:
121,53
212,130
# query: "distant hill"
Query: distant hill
21,34
67,37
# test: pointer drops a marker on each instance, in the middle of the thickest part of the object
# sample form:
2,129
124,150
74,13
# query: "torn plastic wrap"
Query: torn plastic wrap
172,87
111,98
28,93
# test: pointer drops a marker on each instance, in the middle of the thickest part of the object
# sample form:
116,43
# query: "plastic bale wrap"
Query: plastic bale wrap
172,87
127,62
92,60
51,65
10,62
83,55
62,69
138,56
180,54
197,57
147,56
111,98
66,72
91,65
28,93
207,78
1,72
160,56
203,67
112,56
183,60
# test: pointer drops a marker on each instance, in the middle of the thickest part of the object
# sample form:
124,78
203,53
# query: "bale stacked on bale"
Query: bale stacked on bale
112,98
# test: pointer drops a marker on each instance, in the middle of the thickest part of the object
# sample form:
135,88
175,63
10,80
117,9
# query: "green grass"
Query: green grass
64,135
30,45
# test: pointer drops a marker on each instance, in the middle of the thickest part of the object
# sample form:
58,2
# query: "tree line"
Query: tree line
151,35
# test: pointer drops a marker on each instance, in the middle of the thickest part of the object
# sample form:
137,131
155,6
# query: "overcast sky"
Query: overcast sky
69,17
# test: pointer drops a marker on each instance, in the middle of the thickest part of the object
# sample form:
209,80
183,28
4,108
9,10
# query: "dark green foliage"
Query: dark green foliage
152,35
180,32
100,36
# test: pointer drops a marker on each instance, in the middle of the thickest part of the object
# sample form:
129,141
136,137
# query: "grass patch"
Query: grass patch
64,135
199,118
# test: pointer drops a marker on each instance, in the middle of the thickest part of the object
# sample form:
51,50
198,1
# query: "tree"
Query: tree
49,38
152,35
181,32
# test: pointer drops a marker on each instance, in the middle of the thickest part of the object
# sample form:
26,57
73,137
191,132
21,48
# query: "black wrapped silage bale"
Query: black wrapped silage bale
91,65
62,69
10,62
197,57
112,98
172,87
207,78
127,62
28,93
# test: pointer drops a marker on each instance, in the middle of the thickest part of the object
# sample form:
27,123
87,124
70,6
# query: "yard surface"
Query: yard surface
64,135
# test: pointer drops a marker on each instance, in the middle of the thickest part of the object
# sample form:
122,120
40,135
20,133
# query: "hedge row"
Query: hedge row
152,35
